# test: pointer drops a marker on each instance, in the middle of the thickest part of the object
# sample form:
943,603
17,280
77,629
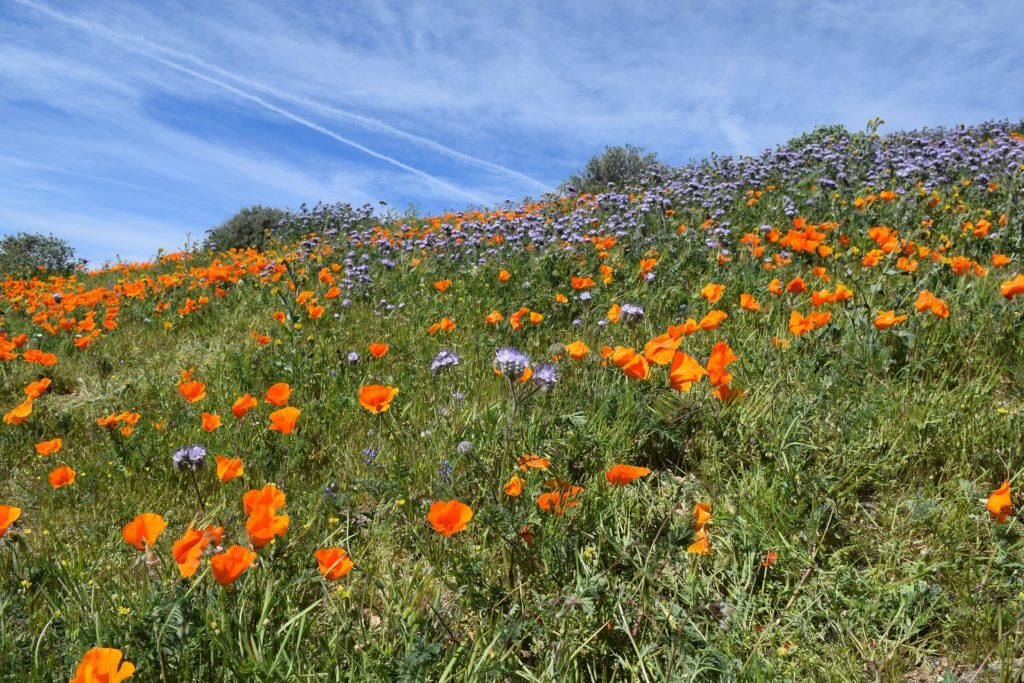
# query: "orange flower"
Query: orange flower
614,313
1000,260
494,317
278,394
449,517
577,350
378,349
442,285
192,391
210,421
712,320
143,530
268,496
999,503
701,544
532,462
36,389
560,498
103,665
188,550
446,325
283,420
886,319
637,367
926,301
243,404
504,275
19,413
620,475
264,524
40,357
579,283
1012,288
661,349
514,486
796,285
701,514
50,447
229,468
333,563
684,371
376,398
62,476
229,565
749,303
8,515
712,292
775,287
721,356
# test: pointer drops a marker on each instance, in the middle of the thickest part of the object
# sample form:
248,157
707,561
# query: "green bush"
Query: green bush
26,253
617,166
247,228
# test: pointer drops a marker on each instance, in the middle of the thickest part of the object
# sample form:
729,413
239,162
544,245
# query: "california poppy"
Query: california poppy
577,350
449,517
243,404
62,476
376,397
532,462
268,496
712,292
188,550
229,565
8,515
283,420
378,349
1012,288
103,665
514,486
36,389
749,303
19,413
229,468
192,391
684,371
143,530
278,394
620,475
1000,503
210,421
50,447
721,356
661,349
701,543
562,497
264,524
442,285
886,319
333,563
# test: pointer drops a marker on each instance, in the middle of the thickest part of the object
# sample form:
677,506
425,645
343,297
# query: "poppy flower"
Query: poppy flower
561,498
614,313
8,515
188,550
1012,288
775,287
264,524
103,665
796,285
242,405
494,317
210,421
143,530
278,394
62,476
701,543
192,391
999,503
579,283
445,325
926,301
514,486
229,565
661,349
712,292
749,303
229,468
40,357
378,349
721,356
1000,260
684,371
449,517
886,319
532,462
283,420
442,285
50,447
701,514
620,475
577,350
504,275
19,413
333,563
637,367
268,496
37,388
376,398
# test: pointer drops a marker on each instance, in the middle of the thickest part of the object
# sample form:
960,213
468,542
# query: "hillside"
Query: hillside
741,419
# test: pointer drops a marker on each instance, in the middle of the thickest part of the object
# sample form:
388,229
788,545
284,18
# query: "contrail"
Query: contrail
148,48
105,179
116,37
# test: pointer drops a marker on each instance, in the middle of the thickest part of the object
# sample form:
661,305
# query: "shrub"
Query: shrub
247,228
617,166
27,253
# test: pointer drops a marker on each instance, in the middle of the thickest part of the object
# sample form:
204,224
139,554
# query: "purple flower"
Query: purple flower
511,362
189,457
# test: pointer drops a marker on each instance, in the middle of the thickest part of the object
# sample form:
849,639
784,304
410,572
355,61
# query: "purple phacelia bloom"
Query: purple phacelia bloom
189,457
511,362
443,360
546,376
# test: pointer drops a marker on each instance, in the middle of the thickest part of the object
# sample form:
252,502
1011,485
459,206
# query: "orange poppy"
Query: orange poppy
614,313
229,468
684,371
19,413
192,391
278,394
229,565
333,563
188,550
449,517
103,665
661,349
264,524
494,317
143,530
268,496
577,350
62,476
1000,260
36,389
701,514
749,303
283,420
637,367
376,398
8,515
210,421
378,349
532,462
561,498
40,357
50,447
504,275
886,319
620,475
701,544
442,285
1000,503
721,356
1012,288
514,486
712,292
579,283
796,285
243,404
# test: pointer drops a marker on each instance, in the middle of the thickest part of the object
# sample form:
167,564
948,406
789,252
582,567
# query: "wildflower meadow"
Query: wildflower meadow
753,418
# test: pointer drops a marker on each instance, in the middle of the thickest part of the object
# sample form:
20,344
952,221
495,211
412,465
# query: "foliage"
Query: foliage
25,254
249,227
616,167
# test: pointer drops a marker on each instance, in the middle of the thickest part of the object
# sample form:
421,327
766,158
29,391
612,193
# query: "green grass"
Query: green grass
860,456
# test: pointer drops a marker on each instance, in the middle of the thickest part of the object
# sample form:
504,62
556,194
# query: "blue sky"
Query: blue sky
126,126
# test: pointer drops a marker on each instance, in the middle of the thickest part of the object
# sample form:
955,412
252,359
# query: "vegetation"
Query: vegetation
25,254
757,419
250,227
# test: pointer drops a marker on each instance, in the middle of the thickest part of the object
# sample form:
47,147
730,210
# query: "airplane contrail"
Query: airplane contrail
119,39
147,48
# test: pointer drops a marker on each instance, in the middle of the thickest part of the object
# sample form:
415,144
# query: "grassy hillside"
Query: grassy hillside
818,498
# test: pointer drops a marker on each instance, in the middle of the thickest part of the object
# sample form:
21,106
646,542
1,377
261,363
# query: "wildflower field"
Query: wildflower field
744,419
